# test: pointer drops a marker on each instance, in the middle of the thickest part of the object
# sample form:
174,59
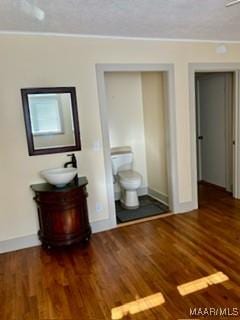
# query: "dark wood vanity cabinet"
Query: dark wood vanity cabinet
63,213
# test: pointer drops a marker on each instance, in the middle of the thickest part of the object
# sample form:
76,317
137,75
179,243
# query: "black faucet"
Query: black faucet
73,163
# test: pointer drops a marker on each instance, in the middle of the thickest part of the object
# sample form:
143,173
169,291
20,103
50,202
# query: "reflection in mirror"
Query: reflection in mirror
51,120
51,116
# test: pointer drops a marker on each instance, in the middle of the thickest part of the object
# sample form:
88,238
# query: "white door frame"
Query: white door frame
198,131
170,112
214,67
229,90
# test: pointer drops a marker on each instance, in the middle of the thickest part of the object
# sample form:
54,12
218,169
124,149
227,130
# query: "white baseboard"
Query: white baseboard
102,225
19,243
185,207
29,241
158,195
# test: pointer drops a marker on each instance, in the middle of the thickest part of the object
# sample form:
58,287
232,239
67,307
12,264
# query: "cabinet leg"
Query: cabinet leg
88,237
46,246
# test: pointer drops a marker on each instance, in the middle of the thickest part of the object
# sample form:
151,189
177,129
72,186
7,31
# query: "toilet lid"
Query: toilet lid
129,175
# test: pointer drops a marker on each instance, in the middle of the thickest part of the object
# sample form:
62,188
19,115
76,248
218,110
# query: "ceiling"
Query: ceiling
174,19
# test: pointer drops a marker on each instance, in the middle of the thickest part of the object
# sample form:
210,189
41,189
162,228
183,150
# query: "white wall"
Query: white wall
155,132
212,103
125,116
34,61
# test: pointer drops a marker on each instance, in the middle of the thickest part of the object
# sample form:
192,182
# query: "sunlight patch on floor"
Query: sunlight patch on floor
202,283
138,306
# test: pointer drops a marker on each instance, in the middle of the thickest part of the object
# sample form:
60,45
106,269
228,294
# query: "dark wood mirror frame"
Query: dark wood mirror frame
31,150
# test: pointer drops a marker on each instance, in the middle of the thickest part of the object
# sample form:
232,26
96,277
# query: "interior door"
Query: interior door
212,131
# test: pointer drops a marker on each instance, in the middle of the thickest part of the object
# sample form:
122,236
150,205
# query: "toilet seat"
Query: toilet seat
129,176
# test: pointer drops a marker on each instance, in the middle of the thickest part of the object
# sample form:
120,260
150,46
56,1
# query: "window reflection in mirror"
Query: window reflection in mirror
51,120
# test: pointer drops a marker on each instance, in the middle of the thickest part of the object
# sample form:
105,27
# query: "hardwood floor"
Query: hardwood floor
131,263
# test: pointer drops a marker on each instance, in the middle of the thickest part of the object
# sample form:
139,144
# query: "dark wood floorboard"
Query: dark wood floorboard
130,263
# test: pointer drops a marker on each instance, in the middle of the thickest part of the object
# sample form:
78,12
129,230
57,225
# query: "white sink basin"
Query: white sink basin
59,177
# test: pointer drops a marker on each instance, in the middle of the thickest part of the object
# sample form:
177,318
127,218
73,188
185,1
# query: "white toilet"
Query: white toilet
129,180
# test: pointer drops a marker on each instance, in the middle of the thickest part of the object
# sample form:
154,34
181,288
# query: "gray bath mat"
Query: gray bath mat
148,207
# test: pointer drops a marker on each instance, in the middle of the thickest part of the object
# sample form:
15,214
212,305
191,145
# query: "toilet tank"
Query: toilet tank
122,159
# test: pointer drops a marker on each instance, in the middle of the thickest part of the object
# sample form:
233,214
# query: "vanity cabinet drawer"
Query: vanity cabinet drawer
63,214
61,197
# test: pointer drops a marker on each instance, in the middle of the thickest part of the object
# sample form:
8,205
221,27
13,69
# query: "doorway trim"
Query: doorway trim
214,67
170,114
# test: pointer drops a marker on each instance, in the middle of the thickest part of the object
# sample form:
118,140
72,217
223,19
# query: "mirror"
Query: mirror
51,120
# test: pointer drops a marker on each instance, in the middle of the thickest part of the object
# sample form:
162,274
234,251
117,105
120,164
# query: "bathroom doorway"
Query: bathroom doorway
126,127
137,136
